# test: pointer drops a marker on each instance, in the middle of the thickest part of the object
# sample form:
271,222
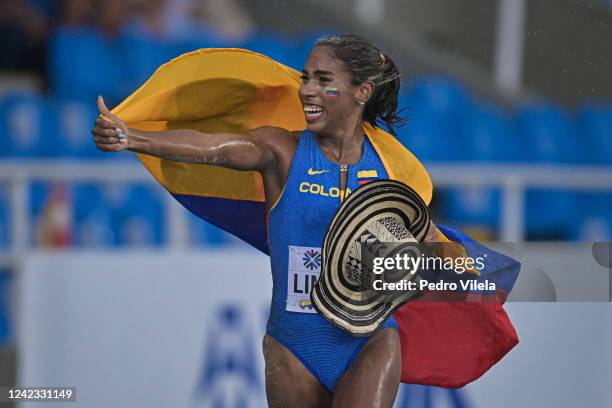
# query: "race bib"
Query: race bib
302,274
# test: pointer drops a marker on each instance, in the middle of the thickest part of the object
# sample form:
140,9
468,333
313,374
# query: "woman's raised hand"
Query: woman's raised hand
109,132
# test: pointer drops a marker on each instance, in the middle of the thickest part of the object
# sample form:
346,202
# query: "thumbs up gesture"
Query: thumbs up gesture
110,133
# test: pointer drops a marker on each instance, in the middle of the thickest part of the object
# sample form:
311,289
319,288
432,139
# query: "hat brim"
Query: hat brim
344,302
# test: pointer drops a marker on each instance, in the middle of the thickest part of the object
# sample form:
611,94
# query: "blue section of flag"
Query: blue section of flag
498,268
244,219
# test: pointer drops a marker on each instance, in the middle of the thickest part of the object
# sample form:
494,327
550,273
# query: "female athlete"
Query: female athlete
346,83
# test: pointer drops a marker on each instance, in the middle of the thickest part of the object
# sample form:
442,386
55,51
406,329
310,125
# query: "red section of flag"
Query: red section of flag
449,344
362,182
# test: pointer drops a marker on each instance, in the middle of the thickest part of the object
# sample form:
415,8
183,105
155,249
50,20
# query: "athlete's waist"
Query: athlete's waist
298,324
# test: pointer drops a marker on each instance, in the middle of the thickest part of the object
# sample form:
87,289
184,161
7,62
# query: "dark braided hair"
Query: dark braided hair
365,62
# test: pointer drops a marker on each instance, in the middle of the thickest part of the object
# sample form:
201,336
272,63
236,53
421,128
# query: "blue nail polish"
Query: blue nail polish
121,135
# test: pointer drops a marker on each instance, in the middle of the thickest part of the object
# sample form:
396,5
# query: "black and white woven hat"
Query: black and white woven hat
380,219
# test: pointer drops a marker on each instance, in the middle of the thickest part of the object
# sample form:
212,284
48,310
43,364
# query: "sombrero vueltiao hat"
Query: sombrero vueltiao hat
380,219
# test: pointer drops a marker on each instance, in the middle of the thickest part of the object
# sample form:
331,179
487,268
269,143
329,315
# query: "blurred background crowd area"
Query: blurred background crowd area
57,56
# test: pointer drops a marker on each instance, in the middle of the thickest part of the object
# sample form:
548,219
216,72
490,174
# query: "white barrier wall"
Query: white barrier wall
184,329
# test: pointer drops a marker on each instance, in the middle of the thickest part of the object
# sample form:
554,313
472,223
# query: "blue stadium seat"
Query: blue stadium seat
24,126
472,206
205,38
72,124
549,139
5,227
83,64
6,330
476,205
39,192
431,139
276,47
489,136
438,95
433,107
594,122
92,219
594,222
78,67
550,214
137,214
146,54
548,135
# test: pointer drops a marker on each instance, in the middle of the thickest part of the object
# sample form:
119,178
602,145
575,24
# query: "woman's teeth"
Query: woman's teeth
312,111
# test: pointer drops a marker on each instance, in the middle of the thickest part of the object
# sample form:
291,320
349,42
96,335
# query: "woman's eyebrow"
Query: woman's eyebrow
319,72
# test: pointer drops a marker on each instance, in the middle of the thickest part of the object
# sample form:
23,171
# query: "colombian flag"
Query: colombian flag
232,90
365,176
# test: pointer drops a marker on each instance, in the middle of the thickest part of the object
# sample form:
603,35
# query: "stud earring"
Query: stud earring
361,102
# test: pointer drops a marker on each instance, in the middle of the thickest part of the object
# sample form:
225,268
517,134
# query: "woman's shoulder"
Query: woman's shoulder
282,141
277,134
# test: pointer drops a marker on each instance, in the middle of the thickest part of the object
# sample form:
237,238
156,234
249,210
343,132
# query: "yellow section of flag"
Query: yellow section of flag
367,173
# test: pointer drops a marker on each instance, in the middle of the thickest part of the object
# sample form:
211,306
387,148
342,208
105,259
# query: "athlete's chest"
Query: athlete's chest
313,191
314,196
322,184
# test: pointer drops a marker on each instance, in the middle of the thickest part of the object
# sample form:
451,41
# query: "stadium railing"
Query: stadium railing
512,180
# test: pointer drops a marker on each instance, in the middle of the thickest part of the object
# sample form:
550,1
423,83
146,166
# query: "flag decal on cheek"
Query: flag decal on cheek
365,176
331,90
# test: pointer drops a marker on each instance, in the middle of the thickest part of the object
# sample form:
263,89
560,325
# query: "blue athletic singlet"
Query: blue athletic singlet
296,228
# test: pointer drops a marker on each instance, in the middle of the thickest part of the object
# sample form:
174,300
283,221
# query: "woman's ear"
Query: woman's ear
364,92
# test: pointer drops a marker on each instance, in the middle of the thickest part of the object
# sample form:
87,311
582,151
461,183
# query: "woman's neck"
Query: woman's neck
343,146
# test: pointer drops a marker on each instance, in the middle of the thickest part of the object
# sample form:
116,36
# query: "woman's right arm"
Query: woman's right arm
253,150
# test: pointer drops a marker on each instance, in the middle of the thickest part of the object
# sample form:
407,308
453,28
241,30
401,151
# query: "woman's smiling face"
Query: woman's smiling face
328,97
